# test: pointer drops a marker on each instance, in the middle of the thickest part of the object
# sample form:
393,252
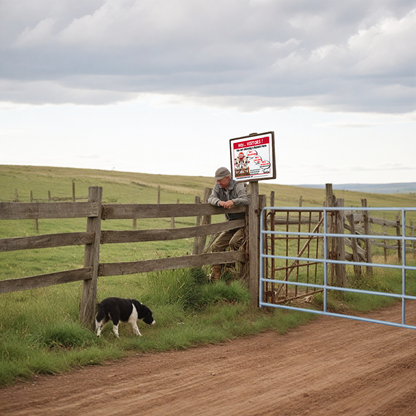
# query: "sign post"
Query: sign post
253,159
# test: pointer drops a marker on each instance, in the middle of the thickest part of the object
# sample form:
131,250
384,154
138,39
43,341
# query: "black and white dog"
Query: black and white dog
124,310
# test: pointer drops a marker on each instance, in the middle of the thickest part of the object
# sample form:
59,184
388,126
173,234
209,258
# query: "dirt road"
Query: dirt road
331,366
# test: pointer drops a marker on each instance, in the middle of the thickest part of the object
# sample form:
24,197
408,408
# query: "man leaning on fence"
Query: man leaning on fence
227,193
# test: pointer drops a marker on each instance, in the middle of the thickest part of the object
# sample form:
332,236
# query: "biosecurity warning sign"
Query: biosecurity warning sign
253,157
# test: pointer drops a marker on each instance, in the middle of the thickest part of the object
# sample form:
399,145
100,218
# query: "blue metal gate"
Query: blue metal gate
325,261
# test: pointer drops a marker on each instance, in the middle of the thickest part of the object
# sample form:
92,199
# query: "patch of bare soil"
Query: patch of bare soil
331,366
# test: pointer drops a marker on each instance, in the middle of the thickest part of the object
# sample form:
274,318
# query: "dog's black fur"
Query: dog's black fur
124,310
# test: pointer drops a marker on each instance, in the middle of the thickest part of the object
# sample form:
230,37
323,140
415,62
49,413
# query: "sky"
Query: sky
161,86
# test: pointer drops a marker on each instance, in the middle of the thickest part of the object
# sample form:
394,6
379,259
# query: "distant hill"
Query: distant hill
375,188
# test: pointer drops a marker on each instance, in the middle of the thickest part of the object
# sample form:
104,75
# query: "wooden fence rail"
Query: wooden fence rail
94,237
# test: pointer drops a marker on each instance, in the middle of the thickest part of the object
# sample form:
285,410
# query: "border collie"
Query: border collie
124,310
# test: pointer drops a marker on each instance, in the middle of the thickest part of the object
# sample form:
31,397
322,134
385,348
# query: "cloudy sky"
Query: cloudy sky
161,86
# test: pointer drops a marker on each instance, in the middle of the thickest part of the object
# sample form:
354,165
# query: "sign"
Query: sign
253,157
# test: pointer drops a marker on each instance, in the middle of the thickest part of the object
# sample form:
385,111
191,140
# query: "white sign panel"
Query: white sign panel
253,157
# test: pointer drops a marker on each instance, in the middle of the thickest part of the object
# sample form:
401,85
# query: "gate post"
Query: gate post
253,243
91,259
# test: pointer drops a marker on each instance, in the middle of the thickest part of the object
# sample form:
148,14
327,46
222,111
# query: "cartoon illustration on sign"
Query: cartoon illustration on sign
241,165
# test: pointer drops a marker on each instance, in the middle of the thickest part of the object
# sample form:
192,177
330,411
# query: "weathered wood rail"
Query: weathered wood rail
95,212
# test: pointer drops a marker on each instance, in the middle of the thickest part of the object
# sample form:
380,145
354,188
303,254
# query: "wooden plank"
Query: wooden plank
145,266
44,280
111,237
45,241
43,210
130,211
381,221
361,252
387,246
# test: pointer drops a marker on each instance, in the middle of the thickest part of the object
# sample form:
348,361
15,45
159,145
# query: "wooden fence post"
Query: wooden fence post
253,244
197,224
91,259
172,219
340,269
367,231
262,204
206,220
36,220
73,191
330,201
355,256
399,243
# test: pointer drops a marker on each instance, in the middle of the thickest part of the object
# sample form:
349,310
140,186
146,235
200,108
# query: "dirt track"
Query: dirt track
331,366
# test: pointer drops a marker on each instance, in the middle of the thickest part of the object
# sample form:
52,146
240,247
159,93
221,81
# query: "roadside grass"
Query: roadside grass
40,332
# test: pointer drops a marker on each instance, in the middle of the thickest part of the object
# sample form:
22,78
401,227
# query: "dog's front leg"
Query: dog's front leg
135,328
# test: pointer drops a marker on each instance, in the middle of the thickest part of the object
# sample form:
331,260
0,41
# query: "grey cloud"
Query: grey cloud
338,56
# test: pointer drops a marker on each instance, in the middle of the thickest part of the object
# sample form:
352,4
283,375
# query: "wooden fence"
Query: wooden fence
95,212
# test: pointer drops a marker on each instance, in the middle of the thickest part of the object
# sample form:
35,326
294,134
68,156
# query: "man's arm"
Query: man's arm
214,198
242,197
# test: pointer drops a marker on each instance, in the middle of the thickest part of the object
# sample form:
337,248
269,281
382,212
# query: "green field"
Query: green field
39,329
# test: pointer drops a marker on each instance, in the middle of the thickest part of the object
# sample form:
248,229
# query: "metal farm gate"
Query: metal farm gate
308,253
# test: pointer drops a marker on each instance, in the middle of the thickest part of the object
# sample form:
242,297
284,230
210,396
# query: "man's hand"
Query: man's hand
227,204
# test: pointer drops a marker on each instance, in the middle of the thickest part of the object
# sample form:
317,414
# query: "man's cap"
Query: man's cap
221,173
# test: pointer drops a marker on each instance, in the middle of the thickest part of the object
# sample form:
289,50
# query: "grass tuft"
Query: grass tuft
66,335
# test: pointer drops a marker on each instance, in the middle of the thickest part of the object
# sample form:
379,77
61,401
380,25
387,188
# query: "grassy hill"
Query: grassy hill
128,187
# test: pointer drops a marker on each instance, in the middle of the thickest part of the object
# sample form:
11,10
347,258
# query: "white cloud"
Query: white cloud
383,49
